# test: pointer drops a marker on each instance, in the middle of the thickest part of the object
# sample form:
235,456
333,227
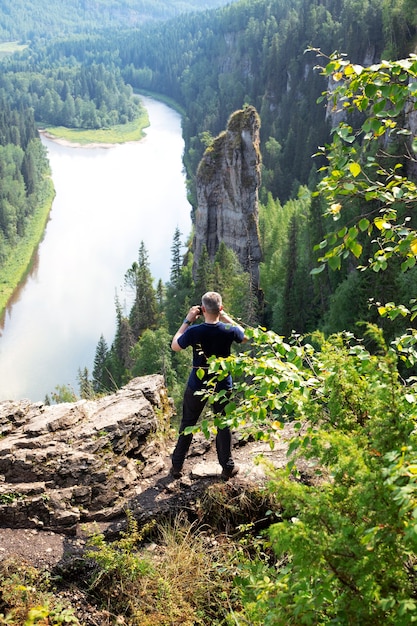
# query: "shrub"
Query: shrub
26,597
345,548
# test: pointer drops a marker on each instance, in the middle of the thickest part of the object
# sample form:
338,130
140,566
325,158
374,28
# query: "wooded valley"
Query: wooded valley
334,83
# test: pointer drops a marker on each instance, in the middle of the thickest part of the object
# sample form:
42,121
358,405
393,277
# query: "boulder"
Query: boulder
79,462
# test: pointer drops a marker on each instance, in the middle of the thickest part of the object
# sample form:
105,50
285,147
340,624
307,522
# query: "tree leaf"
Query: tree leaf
356,248
363,224
355,169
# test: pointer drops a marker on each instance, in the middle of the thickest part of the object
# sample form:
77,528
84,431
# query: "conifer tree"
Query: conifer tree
101,380
144,311
291,309
176,258
179,291
119,358
160,301
85,384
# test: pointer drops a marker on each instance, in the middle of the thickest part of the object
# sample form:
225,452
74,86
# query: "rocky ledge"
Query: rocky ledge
67,465
81,461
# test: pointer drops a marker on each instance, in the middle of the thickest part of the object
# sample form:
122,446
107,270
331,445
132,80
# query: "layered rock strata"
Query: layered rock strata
81,461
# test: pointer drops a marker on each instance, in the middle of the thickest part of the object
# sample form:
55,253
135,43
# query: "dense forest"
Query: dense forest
23,168
42,19
72,95
335,85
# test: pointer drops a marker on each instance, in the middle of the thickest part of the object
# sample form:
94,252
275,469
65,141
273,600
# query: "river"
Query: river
107,201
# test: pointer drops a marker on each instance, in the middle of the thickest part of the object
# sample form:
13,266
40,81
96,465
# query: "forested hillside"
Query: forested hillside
26,21
23,170
70,95
253,51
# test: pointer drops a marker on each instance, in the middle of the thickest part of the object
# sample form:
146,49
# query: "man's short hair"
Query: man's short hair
212,302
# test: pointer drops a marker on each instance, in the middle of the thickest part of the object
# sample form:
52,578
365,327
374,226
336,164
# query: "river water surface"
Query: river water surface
107,201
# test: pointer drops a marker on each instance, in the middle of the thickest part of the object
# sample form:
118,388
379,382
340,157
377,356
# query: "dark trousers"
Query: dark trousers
192,408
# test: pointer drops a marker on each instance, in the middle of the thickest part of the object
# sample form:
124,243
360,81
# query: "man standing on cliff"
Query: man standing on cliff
212,338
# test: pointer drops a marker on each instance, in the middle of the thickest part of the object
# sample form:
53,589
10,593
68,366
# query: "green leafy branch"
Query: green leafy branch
271,383
362,166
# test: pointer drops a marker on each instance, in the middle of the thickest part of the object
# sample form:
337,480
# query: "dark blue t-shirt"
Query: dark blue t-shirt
209,340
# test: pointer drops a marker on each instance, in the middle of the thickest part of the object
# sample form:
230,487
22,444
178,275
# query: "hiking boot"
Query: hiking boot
175,472
229,472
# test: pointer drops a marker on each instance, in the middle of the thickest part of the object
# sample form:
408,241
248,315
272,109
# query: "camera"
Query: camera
200,310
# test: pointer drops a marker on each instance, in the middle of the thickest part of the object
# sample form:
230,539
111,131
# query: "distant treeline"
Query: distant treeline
70,94
42,19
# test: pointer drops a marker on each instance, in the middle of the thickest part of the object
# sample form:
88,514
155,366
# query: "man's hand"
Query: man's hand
194,313
191,317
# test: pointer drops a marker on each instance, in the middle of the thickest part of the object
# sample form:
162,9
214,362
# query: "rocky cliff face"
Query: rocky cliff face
228,180
81,461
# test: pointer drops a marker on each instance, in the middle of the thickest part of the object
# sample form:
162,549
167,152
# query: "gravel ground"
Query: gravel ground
43,549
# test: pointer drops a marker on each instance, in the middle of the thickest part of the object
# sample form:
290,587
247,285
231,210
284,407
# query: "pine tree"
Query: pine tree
119,361
160,300
144,311
100,372
124,339
176,259
179,296
28,171
85,384
291,311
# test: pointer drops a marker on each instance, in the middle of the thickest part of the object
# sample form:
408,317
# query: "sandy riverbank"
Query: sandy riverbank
74,144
